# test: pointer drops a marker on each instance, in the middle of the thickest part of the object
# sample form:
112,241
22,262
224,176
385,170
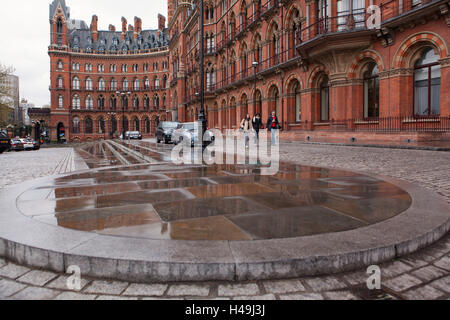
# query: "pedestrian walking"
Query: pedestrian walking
245,127
273,125
257,125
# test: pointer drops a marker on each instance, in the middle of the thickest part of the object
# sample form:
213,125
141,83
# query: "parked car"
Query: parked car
187,131
132,135
17,145
27,144
36,145
5,142
165,130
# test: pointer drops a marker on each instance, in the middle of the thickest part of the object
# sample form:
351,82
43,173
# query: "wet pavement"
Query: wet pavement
160,200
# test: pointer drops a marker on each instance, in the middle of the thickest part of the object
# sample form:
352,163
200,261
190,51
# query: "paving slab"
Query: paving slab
325,283
340,295
189,290
442,284
9,287
402,283
443,263
429,273
106,287
302,296
13,271
286,286
75,296
36,293
147,290
37,278
230,290
426,292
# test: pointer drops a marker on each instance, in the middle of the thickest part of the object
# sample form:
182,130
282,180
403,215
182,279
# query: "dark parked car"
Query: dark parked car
5,142
17,145
36,145
165,130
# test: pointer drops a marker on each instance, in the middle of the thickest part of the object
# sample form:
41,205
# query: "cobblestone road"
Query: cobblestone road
423,275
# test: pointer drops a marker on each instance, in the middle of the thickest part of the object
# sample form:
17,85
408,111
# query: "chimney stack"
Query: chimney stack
161,22
137,27
112,28
94,28
124,28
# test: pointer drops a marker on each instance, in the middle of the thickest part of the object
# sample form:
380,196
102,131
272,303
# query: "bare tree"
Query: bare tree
6,101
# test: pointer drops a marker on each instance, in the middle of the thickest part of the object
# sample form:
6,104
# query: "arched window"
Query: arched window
76,102
371,91
125,84
60,65
156,101
101,102
76,125
325,99
59,26
101,84
146,102
88,84
76,83
60,83
136,102
60,102
427,84
113,124
113,103
147,125
89,103
113,84
146,83
89,126
136,84
136,126
101,126
156,83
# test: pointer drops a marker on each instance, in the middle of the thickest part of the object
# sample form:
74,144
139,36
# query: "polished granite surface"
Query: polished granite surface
220,202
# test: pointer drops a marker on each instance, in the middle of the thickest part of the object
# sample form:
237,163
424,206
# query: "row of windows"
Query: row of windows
157,83
89,102
113,125
113,68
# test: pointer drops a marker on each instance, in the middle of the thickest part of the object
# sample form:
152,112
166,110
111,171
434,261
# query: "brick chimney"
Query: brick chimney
124,28
112,28
94,28
161,22
137,27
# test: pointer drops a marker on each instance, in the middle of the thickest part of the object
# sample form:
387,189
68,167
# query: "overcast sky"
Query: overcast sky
25,34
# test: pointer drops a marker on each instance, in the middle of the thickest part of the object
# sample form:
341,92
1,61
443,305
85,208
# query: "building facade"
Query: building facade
370,69
105,82
11,112
328,68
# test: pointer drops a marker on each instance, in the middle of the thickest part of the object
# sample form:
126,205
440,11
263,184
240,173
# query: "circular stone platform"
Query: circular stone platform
159,222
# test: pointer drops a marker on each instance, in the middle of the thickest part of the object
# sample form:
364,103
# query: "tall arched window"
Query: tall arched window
113,84
325,99
60,102
76,83
113,103
371,92
60,83
88,84
136,84
101,84
76,125
101,126
125,84
101,102
76,102
136,102
89,126
427,84
146,83
89,103
298,102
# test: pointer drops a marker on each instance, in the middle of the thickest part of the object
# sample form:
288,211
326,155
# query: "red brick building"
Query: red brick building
105,81
325,66
322,65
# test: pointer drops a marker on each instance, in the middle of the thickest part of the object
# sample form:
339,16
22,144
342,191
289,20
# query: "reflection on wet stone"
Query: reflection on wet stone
162,200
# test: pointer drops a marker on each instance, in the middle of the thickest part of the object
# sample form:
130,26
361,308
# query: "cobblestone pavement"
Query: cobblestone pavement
17,167
422,275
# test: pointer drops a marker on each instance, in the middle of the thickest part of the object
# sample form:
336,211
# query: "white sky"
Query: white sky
25,34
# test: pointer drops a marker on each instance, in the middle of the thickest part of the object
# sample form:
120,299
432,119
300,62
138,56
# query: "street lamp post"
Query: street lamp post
255,65
202,117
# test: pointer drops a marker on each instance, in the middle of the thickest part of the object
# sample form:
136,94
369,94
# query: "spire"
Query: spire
59,7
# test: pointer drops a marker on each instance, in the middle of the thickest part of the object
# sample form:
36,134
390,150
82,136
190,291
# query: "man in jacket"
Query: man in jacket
273,125
257,124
